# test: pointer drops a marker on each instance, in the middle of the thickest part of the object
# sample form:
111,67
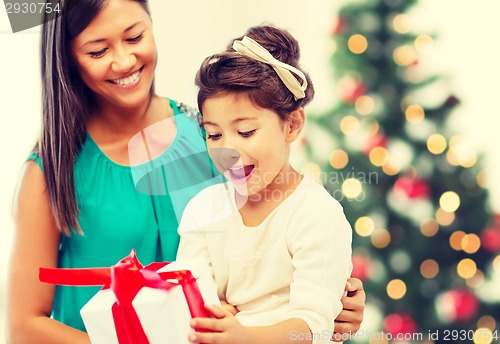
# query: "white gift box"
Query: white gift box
164,315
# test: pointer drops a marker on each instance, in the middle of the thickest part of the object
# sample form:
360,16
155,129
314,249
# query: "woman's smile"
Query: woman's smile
129,81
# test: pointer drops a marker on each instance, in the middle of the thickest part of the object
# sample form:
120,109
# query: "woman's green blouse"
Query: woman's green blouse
130,207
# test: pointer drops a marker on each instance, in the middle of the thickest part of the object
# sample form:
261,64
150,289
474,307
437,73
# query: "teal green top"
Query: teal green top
126,207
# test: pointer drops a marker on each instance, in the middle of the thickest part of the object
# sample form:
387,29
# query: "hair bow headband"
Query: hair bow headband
254,50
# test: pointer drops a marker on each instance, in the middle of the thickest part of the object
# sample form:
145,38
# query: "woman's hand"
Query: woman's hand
350,318
224,327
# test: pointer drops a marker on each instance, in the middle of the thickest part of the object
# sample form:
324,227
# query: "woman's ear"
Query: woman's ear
294,124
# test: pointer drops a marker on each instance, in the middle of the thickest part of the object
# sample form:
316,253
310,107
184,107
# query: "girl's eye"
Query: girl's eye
136,38
213,136
97,54
247,133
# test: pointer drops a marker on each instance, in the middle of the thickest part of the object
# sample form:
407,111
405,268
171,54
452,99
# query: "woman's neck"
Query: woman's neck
109,121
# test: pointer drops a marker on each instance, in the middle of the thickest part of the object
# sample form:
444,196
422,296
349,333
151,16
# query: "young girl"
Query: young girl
278,244
86,199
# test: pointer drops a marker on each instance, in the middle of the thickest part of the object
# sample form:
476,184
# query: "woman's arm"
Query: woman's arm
35,244
349,320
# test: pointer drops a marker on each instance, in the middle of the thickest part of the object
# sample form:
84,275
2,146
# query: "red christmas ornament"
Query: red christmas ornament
460,305
399,323
362,266
490,239
351,89
412,188
378,140
339,24
452,101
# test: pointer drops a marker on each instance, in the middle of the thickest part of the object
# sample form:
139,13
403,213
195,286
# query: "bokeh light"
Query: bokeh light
379,156
391,167
449,201
401,23
463,151
357,44
339,159
424,43
352,188
444,218
470,243
349,125
483,336
429,268
381,238
396,289
466,268
436,143
482,179
365,105
487,321
475,281
414,114
429,227
372,126
405,55
364,226
400,261
496,263
456,240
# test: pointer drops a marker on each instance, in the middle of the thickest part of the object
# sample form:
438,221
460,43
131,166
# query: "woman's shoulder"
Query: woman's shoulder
187,110
35,156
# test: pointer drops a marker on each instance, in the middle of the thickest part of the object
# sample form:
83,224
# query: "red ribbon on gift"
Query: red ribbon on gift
126,279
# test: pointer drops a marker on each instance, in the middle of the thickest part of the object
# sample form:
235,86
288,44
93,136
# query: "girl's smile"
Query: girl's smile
248,144
240,174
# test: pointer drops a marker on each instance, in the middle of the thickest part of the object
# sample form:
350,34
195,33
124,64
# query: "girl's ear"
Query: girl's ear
294,124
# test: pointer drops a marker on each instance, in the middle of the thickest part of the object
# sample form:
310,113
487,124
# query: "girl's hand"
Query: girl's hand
350,318
228,307
225,328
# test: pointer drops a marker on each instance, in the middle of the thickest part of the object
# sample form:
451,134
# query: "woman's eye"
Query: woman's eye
247,133
136,38
97,54
213,136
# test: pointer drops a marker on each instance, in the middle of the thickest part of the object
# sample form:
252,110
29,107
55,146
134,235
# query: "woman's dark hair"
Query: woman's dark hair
67,103
231,72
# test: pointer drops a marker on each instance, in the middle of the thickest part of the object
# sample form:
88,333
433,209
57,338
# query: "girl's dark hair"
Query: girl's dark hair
67,103
232,72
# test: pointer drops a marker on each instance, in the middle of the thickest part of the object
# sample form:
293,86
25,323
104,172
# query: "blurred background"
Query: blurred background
403,132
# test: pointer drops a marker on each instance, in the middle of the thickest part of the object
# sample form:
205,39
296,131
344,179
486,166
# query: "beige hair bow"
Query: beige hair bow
254,50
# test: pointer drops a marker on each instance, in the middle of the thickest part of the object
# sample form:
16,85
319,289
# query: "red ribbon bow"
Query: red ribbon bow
126,279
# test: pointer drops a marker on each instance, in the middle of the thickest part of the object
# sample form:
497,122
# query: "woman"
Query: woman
108,145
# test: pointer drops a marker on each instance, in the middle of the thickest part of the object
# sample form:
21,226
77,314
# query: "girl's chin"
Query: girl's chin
248,193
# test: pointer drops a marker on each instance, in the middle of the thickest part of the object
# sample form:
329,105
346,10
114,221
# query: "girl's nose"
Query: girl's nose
225,157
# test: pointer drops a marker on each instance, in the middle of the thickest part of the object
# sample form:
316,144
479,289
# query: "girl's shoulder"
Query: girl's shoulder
312,195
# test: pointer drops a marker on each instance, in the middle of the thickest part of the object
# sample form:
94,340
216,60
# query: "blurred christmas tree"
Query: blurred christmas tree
424,241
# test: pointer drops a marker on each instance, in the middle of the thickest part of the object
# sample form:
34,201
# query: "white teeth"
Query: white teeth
128,80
